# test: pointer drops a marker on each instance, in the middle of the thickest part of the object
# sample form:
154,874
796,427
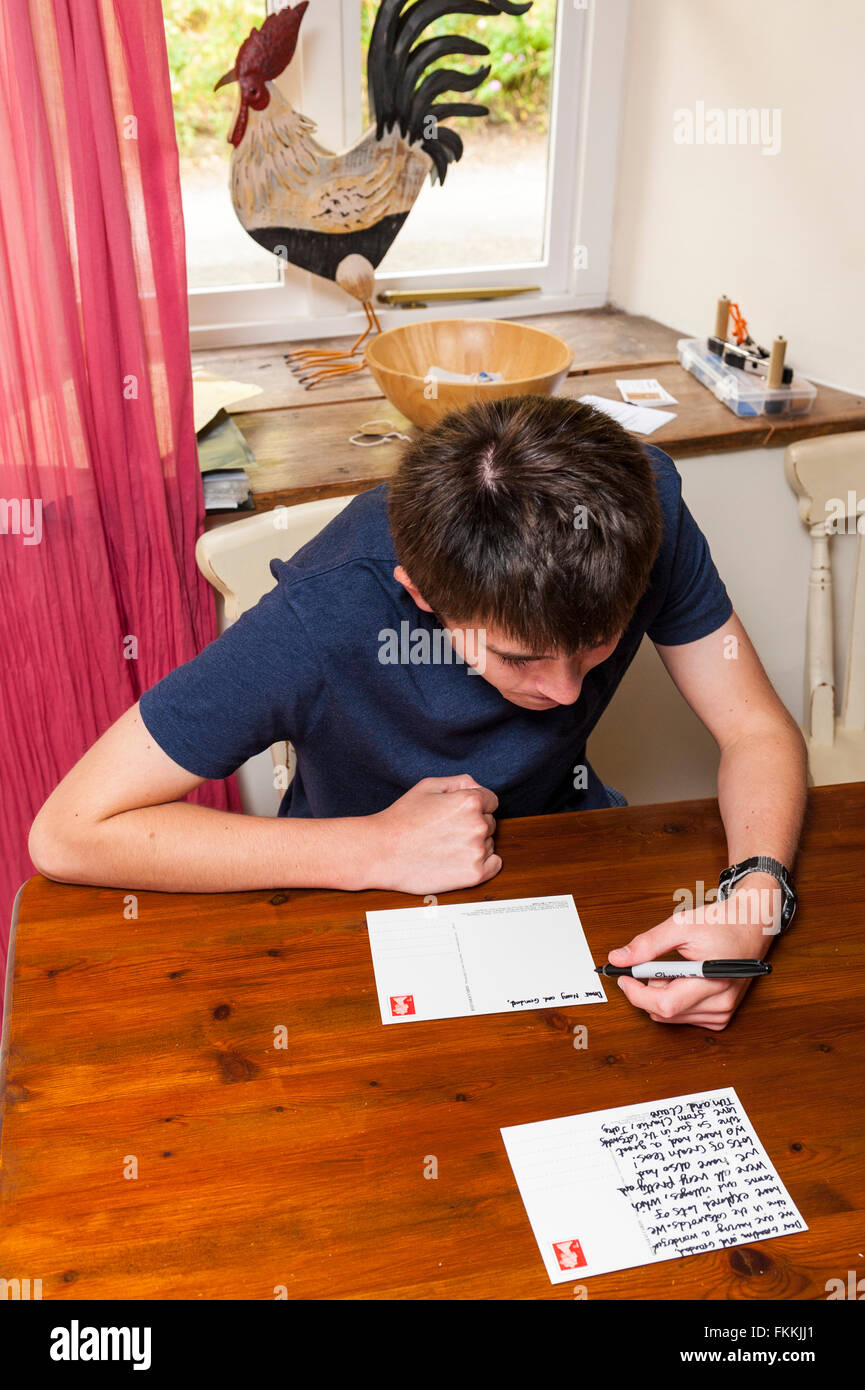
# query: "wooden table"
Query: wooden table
300,438
152,1039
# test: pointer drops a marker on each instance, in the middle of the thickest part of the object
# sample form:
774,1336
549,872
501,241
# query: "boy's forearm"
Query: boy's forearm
182,848
762,788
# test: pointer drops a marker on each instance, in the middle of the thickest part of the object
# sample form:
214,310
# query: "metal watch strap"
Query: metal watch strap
761,864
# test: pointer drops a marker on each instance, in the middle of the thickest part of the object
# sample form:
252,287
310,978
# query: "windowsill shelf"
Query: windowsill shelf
303,452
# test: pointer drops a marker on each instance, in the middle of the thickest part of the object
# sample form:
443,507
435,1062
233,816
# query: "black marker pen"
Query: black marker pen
684,969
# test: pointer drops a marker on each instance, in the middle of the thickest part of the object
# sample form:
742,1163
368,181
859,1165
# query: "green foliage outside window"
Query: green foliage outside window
203,37
522,47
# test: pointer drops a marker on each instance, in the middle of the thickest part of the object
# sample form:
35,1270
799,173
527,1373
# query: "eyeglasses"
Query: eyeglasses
376,432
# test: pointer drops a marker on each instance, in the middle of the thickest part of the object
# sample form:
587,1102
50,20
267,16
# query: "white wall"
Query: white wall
781,234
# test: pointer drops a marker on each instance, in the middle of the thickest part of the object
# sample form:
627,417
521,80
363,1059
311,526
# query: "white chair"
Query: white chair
235,559
828,477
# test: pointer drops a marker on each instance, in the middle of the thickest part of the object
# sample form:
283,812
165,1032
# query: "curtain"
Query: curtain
100,492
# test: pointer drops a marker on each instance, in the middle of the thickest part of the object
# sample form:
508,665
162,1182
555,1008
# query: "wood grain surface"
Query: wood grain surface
601,339
303,1167
304,454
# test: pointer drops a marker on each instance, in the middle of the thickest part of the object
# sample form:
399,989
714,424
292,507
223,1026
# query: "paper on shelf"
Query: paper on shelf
211,393
630,417
645,391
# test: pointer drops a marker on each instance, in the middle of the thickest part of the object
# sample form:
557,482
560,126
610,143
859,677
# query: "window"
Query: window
491,209
200,37
529,203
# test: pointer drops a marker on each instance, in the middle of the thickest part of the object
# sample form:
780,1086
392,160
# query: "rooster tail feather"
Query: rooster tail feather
437,154
441,81
394,68
451,141
450,144
447,145
426,53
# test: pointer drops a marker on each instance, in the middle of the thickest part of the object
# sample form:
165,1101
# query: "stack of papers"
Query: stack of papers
223,454
224,457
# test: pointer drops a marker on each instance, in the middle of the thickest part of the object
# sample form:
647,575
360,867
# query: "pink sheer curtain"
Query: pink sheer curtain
100,494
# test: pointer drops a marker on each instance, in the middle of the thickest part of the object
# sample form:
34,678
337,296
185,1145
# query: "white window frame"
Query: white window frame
583,151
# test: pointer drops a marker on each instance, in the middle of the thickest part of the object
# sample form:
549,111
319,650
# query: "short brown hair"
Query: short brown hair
486,520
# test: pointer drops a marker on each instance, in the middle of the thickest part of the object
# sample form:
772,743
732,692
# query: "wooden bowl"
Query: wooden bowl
531,361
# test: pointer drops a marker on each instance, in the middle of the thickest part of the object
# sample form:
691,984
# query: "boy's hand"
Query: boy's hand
435,838
739,927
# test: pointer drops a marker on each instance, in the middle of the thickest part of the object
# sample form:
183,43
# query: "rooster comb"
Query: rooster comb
267,50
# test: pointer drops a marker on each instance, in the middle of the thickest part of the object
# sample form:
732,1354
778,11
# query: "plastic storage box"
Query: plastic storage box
745,393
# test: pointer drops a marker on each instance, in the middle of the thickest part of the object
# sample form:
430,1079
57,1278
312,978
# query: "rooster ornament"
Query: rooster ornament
337,214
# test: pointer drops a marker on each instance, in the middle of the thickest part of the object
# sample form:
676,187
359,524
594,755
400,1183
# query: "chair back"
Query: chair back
235,559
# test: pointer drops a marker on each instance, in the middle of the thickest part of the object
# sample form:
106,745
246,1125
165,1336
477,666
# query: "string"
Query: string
369,435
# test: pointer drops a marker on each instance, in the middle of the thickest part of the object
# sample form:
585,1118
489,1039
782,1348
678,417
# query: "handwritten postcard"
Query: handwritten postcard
644,1183
454,959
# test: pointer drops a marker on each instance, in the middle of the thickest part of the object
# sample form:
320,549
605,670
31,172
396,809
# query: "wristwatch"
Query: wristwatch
761,864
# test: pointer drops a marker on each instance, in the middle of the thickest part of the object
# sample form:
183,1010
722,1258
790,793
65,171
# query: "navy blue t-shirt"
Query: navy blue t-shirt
305,664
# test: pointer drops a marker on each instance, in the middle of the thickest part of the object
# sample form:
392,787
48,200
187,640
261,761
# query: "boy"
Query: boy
546,542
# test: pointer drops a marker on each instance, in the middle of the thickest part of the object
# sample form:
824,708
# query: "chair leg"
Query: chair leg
821,664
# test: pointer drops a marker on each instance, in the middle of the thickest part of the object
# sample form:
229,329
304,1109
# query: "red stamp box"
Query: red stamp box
401,1004
569,1254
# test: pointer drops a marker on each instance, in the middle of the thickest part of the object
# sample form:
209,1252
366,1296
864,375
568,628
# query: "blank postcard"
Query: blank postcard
450,960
